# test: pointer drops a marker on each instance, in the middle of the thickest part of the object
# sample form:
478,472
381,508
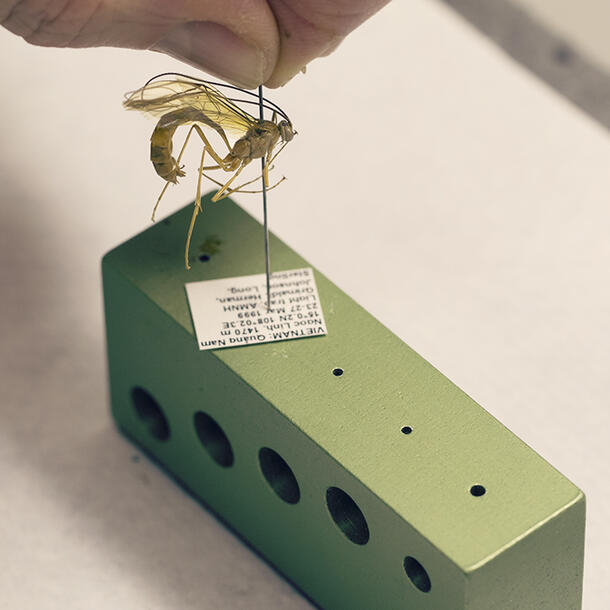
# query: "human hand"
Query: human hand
247,42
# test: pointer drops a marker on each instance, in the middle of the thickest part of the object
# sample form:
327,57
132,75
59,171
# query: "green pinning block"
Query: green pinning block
355,467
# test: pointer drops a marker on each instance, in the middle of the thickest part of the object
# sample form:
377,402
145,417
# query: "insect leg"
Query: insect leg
268,163
227,184
268,167
188,135
152,217
265,172
195,211
271,157
239,189
280,149
209,147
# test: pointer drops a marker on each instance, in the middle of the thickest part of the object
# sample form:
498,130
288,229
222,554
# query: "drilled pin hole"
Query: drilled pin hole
347,515
417,574
279,475
213,439
337,372
477,490
150,413
406,429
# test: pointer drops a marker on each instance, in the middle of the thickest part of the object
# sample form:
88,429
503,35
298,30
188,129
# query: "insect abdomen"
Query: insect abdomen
161,139
161,153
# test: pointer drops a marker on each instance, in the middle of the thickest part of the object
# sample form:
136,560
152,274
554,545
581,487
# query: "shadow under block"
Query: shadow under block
314,469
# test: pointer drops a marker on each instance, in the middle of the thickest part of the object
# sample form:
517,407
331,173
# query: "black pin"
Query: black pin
264,190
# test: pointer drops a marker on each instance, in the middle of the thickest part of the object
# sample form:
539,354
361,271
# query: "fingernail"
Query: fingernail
217,50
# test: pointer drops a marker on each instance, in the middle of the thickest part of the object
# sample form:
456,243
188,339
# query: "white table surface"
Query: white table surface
460,200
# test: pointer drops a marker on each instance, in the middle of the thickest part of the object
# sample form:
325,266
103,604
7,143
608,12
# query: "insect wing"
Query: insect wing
158,97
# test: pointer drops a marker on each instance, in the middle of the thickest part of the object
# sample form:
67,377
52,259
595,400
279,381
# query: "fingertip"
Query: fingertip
216,50
298,59
279,78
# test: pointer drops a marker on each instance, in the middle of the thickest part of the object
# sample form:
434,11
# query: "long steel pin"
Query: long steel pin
266,226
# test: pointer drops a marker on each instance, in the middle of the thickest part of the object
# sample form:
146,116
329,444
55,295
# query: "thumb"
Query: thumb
215,49
234,39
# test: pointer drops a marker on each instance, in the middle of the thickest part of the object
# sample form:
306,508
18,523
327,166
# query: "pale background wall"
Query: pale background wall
585,22
565,43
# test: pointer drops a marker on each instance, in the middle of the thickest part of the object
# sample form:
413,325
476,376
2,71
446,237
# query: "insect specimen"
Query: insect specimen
176,100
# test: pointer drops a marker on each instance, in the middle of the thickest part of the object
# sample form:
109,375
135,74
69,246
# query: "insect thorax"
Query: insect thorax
257,142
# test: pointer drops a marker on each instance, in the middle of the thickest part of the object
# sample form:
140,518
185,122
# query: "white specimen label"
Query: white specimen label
232,311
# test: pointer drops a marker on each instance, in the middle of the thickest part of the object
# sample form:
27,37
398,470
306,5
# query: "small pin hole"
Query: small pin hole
204,257
477,490
337,372
406,429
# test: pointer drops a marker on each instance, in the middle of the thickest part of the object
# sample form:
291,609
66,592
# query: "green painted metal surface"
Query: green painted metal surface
361,487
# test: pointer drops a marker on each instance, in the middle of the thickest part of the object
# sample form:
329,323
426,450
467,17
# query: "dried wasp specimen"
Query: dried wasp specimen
176,100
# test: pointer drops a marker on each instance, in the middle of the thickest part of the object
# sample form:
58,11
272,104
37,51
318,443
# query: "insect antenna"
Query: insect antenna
270,108
268,104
